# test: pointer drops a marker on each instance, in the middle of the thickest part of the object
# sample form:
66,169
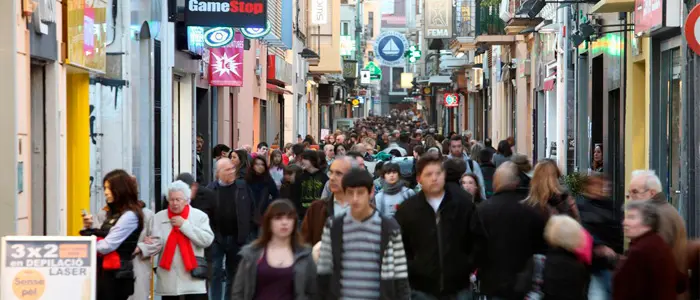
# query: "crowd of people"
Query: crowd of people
390,210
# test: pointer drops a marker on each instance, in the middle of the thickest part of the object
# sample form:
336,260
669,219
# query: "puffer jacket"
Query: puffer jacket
304,274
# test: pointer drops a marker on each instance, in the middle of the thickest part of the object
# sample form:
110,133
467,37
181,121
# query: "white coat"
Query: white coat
178,281
143,268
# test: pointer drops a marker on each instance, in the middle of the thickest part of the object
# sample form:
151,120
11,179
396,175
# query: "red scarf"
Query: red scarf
178,239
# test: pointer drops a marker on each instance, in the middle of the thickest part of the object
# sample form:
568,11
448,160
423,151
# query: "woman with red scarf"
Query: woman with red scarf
183,232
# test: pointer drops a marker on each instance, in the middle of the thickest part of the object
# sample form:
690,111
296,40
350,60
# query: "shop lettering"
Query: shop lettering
68,271
234,6
438,32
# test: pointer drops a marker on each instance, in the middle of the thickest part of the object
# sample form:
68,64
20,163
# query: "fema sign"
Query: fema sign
390,48
226,13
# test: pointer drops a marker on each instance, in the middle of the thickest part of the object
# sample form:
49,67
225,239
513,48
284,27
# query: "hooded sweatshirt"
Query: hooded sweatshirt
309,187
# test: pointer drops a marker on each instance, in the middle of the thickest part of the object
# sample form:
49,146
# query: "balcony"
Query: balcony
465,26
488,21
515,21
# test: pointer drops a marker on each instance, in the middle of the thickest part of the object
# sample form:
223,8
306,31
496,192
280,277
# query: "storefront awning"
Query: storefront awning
549,83
439,79
278,90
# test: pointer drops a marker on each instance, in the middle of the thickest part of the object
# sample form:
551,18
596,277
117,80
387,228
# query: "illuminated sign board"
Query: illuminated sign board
87,31
233,13
195,39
219,36
256,32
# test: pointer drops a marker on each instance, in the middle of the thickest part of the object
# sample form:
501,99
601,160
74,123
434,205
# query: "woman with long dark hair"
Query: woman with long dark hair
470,183
240,161
276,265
262,186
118,236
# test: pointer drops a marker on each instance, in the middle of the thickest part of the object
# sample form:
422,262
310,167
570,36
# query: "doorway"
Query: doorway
670,124
595,107
38,147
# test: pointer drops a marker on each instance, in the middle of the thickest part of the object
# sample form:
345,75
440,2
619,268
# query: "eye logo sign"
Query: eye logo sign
256,32
219,36
226,13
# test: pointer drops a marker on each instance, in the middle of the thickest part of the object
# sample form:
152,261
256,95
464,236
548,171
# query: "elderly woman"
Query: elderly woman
649,271
184,233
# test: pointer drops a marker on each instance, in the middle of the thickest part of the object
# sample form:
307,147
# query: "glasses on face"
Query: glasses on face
635,192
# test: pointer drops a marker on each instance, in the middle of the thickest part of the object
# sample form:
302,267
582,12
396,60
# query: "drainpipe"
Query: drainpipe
563,15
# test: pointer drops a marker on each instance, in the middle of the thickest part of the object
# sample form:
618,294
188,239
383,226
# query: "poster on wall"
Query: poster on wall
648,16
87,32
48,268
226,63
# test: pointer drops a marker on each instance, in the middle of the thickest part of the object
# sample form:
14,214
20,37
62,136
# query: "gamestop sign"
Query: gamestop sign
222,13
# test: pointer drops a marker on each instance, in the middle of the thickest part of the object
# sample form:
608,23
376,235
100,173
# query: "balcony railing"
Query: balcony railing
488,20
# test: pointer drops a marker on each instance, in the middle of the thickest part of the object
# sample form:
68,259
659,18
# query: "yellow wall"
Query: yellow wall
637,110
78,114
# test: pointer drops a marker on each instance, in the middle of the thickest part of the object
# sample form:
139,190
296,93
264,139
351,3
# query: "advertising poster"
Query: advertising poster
48,268
87,34
226,63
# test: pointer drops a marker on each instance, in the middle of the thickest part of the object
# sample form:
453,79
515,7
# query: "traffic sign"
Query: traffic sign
391,46
364,77
692,29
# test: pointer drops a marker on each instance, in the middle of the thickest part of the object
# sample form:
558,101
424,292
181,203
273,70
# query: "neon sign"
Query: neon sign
256,32
218,36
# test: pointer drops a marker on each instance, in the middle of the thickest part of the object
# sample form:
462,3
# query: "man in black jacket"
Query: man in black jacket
507,233
435,229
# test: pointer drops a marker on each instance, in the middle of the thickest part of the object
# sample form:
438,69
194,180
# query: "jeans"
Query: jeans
600,286
461,295
223,247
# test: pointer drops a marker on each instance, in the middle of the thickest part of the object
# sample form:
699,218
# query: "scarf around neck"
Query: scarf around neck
393,189
177,239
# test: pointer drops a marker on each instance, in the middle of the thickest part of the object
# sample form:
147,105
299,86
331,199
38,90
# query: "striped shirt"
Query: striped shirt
361,270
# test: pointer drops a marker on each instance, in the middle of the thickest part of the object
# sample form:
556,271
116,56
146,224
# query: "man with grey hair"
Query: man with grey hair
506,234
645,185
232,227
333,205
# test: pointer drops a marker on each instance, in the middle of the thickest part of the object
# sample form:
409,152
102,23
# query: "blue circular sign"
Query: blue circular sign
390,48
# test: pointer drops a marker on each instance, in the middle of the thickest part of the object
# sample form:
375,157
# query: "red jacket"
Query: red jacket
649,271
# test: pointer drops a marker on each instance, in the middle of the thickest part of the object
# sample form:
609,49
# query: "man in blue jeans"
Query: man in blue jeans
232,227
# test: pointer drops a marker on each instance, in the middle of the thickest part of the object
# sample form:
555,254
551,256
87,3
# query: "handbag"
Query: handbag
202,269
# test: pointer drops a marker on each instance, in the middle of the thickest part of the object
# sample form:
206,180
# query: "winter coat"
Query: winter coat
648,272
246,276
178,281
672,230
507,233
438,245
387,204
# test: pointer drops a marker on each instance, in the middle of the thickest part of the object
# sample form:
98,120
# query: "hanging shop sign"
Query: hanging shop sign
375,72
391,47
48,267
87,29
195,39
692,29
226,63
218,36
319,12
256,32
438,19
233,13
451,100
648,16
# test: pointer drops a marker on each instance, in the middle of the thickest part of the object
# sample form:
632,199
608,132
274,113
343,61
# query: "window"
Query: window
263,121
345,28
370,24
396,80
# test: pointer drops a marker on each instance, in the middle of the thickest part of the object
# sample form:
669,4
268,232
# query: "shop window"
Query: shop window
671,127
